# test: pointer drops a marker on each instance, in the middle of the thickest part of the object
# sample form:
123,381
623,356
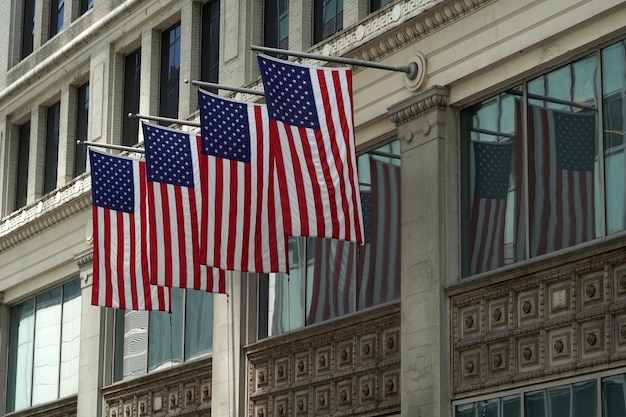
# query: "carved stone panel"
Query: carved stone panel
470,366
322,400
469,325
591,289
559,298
282,371
559,346
528,354
591,341
344,354
498,359
619,283
619,334
302,366
345,394
498,317
528,306
301,403
368,349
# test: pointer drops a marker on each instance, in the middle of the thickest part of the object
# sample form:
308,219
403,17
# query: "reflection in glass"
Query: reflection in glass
165,334
198,323
70,339
47,347
20,366
614,396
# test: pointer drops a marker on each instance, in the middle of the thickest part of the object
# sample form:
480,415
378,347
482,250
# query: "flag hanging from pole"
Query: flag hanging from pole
312,132
120,231
173,165
242,220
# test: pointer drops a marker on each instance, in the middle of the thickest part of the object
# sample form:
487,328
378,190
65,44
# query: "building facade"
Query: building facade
493,277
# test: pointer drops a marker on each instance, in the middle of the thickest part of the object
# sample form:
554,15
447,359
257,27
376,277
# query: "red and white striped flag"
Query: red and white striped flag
120,230
313,146
242,221
561,158
173,165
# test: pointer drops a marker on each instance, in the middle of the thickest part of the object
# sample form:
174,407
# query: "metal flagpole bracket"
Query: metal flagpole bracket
415,78
414,71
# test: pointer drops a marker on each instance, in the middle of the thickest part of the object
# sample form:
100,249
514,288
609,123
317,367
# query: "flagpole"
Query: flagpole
225,87
110,146
164,119
410,70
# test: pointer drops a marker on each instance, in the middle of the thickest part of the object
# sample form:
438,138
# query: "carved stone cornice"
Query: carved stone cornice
396,27
435,98
53,208
84,258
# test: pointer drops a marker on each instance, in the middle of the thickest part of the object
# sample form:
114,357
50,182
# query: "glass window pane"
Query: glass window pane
20,366
614,109
511,406
21,192
165,334
52,147
70,342
285,299
378,260
562,155
28,27
614,396
198,323
132,80
82,124
535,405
585,401
330,279
170,71
559,401
47,346
209,61
493,189
134,342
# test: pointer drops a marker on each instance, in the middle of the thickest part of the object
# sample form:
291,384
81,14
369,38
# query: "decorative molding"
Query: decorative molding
184,389
51,209
435,98
349,367
66,407
568,317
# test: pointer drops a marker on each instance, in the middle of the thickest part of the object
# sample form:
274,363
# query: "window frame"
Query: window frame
82,128
169,88
53,125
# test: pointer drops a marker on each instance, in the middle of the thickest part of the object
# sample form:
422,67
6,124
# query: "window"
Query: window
327,18
85,5
82,122
276,24
377,4
170,71
331,278
28,27
496,407
132,79
210,54
21,187
614,396
541,142
148,341
52,147
44,343
57,8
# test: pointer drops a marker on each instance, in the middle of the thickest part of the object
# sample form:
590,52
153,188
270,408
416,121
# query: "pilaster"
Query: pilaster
4,344
94,342
429,223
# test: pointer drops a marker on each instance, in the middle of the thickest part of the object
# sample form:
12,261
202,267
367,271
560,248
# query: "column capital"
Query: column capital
435,98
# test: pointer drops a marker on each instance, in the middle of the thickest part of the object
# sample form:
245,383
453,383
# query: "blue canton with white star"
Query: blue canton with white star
575,140
225,128
168,156
289,93
112,184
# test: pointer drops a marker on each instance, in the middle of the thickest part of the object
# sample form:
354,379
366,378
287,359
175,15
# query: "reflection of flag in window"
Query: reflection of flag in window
378,275
561,156
120,231
174,161
312,132
332,292
490,181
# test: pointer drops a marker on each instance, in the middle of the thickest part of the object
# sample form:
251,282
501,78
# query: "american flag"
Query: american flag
313,144
561,156
333,279
120,231
173,165
490,184
243,219
378,276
